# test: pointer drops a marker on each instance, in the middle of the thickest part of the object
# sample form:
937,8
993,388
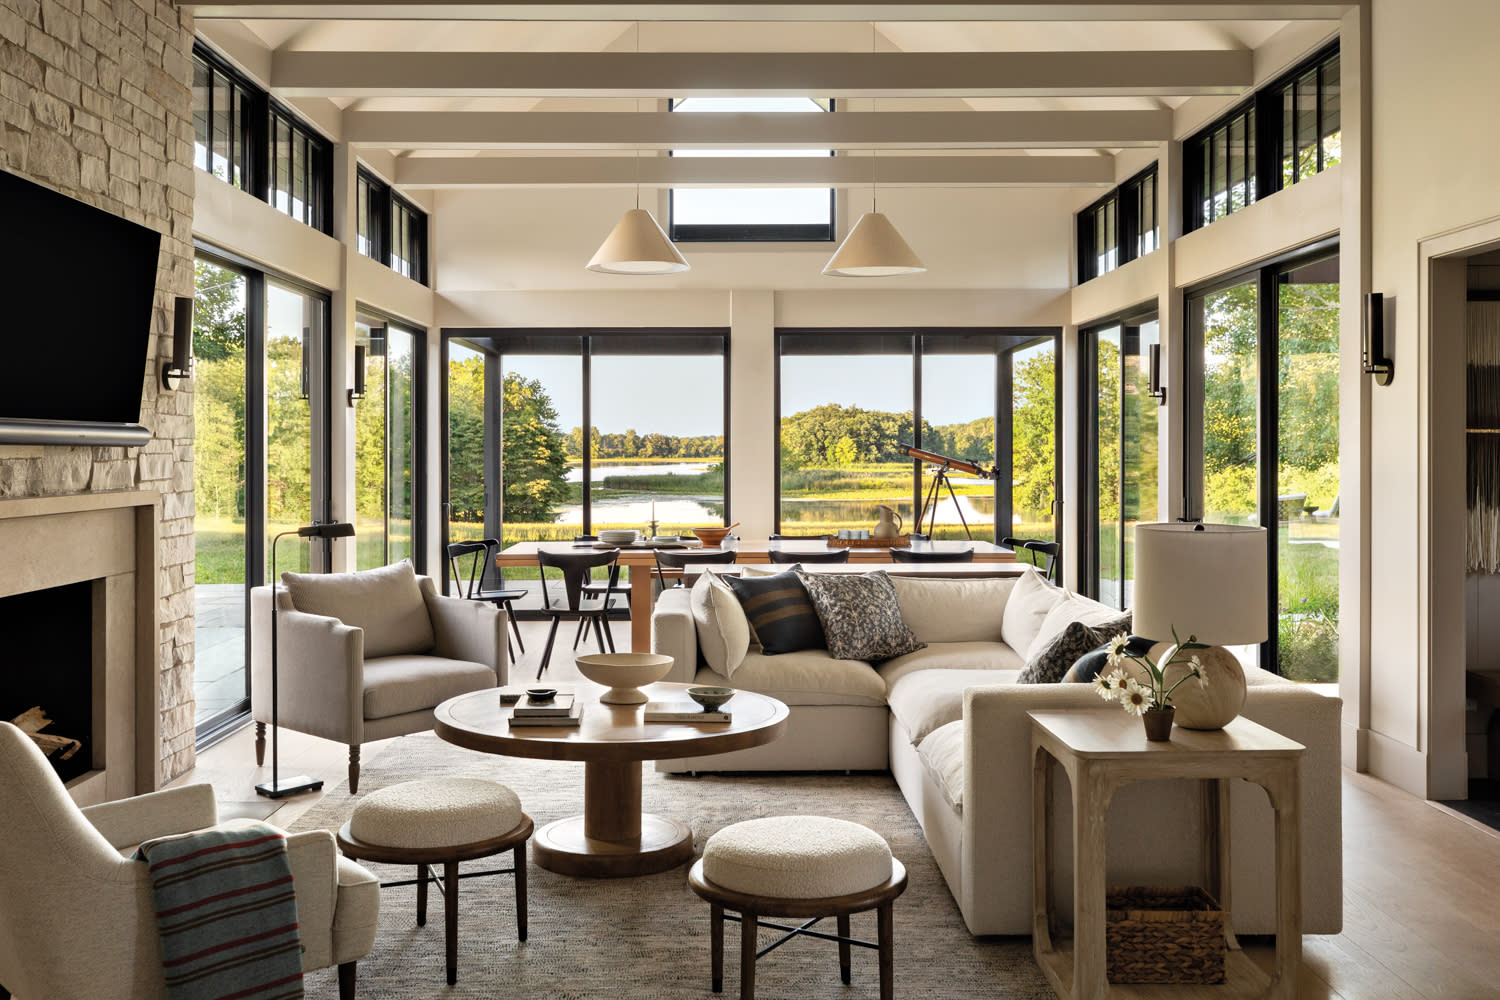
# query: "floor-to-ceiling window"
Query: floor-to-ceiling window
385,442
294,359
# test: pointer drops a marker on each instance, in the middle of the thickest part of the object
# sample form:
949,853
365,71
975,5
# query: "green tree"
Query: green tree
1034,435
534,463
466,438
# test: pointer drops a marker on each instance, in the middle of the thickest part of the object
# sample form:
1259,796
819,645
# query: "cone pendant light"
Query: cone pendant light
873,249
637,245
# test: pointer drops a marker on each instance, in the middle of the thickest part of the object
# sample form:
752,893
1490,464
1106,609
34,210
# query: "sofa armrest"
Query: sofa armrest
128,822
321,679
674,634
314,859
467,630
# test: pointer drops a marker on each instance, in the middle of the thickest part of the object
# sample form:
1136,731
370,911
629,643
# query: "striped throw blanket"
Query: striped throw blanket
227,914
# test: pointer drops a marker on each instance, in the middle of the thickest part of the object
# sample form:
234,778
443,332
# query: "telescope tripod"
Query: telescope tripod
930,502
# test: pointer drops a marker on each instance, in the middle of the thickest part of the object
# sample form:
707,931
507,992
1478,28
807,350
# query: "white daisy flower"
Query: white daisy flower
1135,699
1117,649
1104,686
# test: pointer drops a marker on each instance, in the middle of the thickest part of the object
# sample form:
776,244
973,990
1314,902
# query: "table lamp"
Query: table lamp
1207,581
278,788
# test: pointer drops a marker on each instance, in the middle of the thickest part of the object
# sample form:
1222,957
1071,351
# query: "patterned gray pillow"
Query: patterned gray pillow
1049,664
861,616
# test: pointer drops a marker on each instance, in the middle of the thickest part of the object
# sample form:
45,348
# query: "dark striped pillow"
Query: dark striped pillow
779,611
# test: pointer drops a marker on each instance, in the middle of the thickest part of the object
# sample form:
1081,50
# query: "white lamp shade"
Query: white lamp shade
873,249
637,245
1206,580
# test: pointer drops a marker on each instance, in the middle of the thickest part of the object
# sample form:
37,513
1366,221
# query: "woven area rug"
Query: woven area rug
647,937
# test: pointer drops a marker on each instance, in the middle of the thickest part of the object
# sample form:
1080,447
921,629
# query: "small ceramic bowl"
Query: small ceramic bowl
710,697
541,693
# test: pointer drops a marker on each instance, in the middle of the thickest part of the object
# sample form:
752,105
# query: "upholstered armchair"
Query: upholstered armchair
368,655
76,918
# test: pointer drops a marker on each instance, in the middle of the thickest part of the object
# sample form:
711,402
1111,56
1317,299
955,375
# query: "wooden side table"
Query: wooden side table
1101,751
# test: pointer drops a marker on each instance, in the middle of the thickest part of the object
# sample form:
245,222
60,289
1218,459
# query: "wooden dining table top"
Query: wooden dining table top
748,550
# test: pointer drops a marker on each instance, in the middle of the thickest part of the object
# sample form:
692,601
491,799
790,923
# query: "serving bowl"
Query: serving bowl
711,537
624,674
710,697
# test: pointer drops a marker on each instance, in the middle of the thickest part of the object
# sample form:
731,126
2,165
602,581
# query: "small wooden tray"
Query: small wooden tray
899,542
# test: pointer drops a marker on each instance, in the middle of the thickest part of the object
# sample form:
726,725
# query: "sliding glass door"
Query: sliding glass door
385,439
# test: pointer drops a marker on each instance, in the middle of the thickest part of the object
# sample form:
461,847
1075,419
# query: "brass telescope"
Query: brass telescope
942,465
950,464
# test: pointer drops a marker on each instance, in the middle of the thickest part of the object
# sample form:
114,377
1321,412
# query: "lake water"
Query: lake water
636,508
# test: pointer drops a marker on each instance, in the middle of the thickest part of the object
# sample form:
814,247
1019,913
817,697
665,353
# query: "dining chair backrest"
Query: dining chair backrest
480,555
676,559
1051,564
831,556
575,568
918,556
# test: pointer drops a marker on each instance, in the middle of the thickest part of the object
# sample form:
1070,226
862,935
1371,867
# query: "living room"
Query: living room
384,229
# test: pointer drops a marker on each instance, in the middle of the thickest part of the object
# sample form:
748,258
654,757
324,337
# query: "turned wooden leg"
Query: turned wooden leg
346,981
716,944
260,744
353,770
423,875
844,948
450,917
886,915
520,866
749,925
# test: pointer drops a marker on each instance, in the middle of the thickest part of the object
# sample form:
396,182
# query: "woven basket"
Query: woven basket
1163,935
897,542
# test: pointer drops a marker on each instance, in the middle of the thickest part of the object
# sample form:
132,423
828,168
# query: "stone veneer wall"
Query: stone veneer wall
95,103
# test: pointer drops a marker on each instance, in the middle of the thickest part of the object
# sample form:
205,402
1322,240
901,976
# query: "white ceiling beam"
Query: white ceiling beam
813,10
751,171
792,130
728,74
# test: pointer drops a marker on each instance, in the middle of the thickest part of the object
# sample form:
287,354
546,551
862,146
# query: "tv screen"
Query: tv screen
78,285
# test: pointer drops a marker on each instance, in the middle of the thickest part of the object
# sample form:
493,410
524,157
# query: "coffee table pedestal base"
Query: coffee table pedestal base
563,847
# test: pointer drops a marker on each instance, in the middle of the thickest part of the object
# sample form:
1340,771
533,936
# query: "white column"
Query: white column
341,357
1171,424
752,429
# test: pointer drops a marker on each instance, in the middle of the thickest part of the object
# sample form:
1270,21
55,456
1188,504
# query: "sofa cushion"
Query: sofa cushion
1093,663
779,612
806,677
942,756
1030,601
953,610
924,701
386,602
1051,659
723,630
861,616
395,685
1073,608
951,656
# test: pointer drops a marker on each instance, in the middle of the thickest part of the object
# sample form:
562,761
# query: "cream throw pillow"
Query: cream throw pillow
1031,599
1071,608
953,610
723,629
386,602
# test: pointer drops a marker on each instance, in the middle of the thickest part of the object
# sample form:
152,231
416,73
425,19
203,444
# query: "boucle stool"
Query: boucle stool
797,866
441,821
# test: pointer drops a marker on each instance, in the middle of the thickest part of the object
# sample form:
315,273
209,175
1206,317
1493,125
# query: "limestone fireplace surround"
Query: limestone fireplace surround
108,539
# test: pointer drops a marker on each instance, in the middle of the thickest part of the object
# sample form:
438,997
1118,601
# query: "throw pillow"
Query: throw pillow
953,610
1071,608
1030,600
1048,664
1093,663
723,630
861,616
386,602
779,612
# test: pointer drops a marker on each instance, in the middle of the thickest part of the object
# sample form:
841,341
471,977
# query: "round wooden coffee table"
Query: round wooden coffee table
613,837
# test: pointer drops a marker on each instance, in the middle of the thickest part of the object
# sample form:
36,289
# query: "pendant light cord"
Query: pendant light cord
874,153
637,148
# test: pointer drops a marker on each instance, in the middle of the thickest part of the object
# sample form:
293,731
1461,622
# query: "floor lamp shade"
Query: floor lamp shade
637,245
873,249
1208,580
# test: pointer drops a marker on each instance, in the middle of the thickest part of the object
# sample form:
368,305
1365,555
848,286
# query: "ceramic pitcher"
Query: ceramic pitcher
889,525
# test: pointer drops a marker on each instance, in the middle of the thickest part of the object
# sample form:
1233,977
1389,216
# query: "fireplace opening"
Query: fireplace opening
48,638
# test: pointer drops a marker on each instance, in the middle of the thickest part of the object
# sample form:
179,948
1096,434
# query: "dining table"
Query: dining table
990,560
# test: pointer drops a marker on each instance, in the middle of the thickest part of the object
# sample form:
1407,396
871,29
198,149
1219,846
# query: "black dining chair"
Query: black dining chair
575,569
593,589
470,582
918,556
678,559
831,556
1051,553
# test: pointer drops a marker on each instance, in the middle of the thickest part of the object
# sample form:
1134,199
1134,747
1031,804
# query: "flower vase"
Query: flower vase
1158,722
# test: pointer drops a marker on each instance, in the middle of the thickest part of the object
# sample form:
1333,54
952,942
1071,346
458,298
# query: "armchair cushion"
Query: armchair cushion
395,685
386,603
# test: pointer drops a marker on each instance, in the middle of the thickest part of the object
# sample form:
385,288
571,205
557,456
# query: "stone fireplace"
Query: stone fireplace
78,627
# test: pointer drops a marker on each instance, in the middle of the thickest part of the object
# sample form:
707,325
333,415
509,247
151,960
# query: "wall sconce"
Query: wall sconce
1154,388
181,365
1375,353
358,392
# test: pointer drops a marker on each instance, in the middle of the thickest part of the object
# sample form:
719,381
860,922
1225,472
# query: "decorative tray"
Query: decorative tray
898,542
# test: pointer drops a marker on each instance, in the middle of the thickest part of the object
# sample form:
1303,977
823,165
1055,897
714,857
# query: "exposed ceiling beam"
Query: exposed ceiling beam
729,74
793,130
812,10
751,171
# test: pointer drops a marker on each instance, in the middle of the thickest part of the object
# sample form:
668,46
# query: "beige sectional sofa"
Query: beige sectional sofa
949,723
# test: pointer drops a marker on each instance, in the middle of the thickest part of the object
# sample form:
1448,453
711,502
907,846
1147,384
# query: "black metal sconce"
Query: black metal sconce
1375,353
1154,388
181,365
358,392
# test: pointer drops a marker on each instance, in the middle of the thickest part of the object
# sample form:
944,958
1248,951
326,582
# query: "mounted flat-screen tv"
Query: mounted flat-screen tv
76,292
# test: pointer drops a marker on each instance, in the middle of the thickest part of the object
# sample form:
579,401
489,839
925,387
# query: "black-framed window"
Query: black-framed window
1286,132
388,228
1119,227
245,138
847,400
389,452
750,215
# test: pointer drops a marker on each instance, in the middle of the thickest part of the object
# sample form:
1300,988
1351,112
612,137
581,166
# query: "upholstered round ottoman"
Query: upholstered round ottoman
797,866
441,821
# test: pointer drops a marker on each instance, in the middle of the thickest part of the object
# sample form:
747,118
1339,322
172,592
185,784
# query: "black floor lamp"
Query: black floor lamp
277,788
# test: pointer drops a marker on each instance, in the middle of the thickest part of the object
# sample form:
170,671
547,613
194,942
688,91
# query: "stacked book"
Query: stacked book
681,711
560,710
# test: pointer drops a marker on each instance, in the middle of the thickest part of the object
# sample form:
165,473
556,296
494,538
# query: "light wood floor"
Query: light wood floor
1421,883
